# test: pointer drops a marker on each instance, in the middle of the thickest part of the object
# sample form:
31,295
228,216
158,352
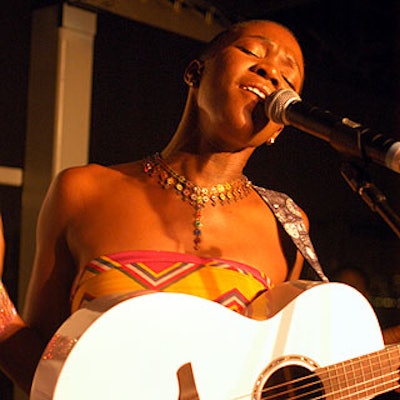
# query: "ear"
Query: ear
193,73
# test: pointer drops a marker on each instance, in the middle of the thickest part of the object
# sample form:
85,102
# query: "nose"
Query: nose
268,72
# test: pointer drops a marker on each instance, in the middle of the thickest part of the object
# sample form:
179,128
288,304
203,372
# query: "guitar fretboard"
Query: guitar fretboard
363,376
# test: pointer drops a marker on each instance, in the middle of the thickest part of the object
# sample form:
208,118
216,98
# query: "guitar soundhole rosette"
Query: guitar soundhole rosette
289,377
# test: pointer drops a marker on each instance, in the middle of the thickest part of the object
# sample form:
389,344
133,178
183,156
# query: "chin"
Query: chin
259,116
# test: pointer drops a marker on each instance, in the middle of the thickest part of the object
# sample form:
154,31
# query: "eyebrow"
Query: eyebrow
269,41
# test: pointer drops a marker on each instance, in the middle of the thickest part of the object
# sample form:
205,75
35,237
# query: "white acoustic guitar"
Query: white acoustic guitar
320,341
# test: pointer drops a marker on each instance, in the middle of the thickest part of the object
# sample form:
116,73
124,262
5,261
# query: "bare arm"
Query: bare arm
391,335
23,339
15,338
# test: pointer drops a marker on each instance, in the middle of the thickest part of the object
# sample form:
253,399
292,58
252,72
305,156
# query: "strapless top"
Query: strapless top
227,282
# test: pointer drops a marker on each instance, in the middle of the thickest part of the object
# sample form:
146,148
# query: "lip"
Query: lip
261,91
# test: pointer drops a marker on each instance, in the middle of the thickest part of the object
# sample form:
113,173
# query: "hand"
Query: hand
2,247
391,335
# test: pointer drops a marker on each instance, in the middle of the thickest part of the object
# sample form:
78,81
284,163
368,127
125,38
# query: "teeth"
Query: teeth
256,91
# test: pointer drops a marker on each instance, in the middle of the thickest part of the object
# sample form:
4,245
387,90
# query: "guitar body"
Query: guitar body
136,348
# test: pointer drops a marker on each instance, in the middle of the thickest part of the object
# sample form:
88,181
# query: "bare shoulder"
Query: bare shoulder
94,171
89,174
82,180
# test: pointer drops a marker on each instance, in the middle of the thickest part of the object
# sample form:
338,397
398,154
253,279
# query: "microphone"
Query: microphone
286,107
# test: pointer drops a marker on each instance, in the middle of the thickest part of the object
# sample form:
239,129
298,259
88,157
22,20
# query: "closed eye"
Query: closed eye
289,83
247,51
251,53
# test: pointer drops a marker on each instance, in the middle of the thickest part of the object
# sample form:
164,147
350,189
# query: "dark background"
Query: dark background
352,58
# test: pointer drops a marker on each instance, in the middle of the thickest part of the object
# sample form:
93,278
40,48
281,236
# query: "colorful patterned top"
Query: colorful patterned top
229,283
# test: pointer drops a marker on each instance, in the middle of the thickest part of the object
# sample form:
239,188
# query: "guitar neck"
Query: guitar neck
364,376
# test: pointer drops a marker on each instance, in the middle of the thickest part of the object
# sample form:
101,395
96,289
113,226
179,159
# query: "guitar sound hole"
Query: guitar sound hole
292,382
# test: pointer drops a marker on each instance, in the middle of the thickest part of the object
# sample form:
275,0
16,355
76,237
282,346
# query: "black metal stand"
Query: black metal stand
358,180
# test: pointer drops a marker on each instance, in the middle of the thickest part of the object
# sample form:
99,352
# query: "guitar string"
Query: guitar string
345,396
366,392
335,392
376,379
375,357
394,373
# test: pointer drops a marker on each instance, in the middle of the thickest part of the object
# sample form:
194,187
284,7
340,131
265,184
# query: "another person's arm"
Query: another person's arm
23,336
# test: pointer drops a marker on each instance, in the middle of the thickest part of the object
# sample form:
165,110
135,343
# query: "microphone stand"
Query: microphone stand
357,179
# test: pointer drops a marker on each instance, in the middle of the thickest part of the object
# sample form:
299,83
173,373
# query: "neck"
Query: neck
191,153
206,169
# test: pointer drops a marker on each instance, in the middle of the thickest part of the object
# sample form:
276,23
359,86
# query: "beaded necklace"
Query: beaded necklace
197,196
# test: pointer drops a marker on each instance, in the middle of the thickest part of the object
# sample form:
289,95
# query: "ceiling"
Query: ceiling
354,41
240,10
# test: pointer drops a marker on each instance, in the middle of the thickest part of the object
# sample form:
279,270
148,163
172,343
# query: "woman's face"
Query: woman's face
235,80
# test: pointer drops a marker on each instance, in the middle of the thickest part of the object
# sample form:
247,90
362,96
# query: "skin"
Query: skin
94,210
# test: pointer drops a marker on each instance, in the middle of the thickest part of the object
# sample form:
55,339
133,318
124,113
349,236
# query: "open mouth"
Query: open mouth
258,92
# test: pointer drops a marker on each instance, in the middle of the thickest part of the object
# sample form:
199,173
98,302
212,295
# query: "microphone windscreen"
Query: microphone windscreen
277,103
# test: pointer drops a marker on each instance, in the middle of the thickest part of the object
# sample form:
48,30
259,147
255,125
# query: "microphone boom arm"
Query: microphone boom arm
347,137
371,195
